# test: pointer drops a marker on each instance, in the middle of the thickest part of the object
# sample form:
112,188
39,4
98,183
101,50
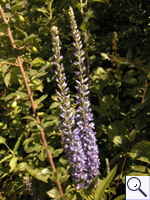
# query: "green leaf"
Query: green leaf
31,146
91,186
43,175
13,163
84,25
107,100
4,70
38,101
10,96
29,39
132,135
29,117
37,62
17,144
20,31
7,14
90,13
6,158
77,4
3,27
57,152
36,84
54,97
21,94
51,149
141,151
2,140
17,7
53,193
121,197
10,75
101,1
136,170
24,166
42,155
96,108
130,81
115,159
117,132
18,43
54,105
98,193
105,56
64,178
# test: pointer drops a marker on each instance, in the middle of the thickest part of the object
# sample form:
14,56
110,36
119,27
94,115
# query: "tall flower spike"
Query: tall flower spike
67,117
88,163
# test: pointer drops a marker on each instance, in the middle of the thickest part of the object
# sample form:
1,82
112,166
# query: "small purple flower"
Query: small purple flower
30,188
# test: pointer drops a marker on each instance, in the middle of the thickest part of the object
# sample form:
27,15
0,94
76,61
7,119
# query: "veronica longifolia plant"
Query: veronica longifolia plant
80,142
67,117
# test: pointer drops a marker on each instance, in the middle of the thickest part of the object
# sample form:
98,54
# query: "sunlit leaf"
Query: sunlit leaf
117,132
54,105
13,163
141,151
53,193
38,62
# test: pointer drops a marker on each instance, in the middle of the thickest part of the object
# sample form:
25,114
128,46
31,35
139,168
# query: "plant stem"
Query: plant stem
31,99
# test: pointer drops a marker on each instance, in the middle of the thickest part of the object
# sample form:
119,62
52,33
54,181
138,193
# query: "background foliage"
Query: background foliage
116,43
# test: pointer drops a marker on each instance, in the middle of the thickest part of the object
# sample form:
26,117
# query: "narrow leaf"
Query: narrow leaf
17,143
121,197
6,158
104,183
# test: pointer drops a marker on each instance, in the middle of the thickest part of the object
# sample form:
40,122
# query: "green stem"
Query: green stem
9,148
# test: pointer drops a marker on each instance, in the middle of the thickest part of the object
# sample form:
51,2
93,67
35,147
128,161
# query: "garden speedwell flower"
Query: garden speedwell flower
79,138
67,117
88,167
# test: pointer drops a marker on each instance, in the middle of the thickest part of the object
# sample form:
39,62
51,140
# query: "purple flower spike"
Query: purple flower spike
67,117
87,159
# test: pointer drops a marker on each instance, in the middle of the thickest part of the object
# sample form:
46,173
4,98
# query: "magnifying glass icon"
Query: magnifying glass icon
134,184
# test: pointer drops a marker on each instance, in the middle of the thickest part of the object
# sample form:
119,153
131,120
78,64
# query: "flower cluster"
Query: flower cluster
67,117
78,135
30,188
89,166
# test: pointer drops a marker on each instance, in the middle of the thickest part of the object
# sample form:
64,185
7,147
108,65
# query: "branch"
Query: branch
31,99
